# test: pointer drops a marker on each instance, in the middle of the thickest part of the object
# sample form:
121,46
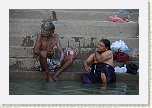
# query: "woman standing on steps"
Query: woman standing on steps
102,70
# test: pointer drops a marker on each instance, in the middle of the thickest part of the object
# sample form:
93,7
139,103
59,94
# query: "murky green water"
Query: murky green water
41,87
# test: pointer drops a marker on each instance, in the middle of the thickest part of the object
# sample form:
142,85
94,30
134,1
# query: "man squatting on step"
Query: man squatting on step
102,70
44,49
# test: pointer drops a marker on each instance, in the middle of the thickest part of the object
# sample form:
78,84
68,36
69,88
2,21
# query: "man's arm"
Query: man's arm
87,62
37,46
103,57
59,46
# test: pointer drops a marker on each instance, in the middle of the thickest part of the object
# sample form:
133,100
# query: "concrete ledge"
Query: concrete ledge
73,41
29,63
64,76
82,53
82,28
71,14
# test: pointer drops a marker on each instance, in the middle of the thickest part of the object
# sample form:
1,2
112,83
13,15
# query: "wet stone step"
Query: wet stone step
65,76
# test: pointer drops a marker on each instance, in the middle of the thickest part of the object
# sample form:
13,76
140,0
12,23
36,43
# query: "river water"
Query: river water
41,87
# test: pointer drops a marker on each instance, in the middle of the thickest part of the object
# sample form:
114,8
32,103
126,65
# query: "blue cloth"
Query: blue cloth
121,10
95,75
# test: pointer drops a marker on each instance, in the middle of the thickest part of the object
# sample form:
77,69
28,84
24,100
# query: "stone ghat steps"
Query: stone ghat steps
23,46
32,27
72,14
29,63
73,41
82,53
65,76
79,29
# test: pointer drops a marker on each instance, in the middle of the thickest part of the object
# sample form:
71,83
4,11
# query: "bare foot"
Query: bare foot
50,79
55,78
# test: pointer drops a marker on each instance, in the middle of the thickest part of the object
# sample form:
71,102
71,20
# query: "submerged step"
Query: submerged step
65,76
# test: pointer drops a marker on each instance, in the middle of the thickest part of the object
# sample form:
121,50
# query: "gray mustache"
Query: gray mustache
44,34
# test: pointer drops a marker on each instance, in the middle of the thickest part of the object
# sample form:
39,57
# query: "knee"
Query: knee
42,57
71,59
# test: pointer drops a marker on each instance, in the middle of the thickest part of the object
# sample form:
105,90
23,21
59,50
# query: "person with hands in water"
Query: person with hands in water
43,48
102,70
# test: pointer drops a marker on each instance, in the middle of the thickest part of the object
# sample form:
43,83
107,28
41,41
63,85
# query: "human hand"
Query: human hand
87,68
58,64
43,53
97,51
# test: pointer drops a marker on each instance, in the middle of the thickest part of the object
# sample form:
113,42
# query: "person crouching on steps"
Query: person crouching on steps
102,70
44,49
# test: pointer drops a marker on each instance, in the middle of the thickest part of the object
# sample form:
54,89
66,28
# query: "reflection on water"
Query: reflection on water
40,87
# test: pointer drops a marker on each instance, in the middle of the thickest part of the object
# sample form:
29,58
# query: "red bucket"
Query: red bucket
69,53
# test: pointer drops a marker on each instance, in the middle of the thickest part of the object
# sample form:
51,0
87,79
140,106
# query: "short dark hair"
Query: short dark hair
106,42
50,24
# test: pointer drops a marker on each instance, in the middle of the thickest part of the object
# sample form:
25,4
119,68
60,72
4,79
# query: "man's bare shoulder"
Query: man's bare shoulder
108,52
39,36
56,37
92,55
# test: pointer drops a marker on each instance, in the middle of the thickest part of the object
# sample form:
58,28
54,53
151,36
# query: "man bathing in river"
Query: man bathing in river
102,70
44,49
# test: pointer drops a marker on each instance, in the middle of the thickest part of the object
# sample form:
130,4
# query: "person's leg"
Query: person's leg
66,62
103,78
85,77
43,62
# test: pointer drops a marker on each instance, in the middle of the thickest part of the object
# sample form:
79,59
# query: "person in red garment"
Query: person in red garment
102,70
44,49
